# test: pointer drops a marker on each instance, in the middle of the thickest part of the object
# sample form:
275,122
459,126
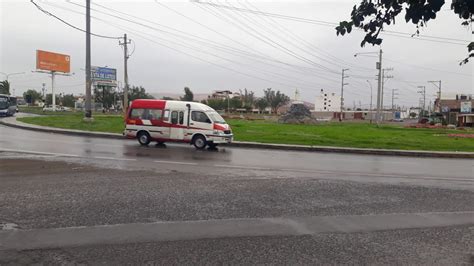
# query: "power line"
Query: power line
284,38
180,51
183,34
67,23
429,68
156,29
291,33
333,24
254,33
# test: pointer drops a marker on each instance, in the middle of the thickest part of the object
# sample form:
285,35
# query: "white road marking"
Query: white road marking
175,162
224,228
114,158
41,152
243,167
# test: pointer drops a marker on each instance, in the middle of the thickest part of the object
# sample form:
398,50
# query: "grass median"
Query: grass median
358,135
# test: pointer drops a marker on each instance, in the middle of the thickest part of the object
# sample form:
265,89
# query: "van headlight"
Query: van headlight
217,132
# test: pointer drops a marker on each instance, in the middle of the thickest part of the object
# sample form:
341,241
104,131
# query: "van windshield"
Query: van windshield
215,117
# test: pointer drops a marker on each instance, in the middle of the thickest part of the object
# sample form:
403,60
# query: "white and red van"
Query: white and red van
175,121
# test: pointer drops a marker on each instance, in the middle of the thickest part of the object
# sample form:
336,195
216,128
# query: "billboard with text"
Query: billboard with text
53,61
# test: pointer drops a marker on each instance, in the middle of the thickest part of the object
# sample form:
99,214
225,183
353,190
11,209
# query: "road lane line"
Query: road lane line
175,162
113,158
40,152
225,228
242,167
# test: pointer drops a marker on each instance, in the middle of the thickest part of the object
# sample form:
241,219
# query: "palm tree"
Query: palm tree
5,87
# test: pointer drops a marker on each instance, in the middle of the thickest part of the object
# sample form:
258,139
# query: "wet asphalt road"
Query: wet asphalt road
128,154
58,182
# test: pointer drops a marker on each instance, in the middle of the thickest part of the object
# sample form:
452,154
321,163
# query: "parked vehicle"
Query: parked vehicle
58,108
7,105
176,121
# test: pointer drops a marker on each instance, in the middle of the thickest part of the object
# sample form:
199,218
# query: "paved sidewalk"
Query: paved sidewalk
11,121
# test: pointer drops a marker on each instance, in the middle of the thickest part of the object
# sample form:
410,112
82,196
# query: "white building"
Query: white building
327,102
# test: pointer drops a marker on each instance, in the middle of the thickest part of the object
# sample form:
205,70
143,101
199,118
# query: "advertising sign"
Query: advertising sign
445,109
466,107
103,75
53,61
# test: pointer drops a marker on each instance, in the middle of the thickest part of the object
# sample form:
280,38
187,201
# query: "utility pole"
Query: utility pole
125,44
379,86
370,109
393,98
439,92
342,92
383,84
88,105
423,92
43,89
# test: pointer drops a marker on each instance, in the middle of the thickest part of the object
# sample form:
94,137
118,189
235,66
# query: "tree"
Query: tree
235,103
138,93
5,87
218,104
68,100
188,95
275,99
372,16
105,95
261,104
248,100
31,96
49,99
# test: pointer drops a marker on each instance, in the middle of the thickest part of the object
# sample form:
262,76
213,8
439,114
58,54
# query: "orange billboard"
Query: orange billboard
53,61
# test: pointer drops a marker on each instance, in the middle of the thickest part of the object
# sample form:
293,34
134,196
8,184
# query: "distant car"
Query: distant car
424,120
58,108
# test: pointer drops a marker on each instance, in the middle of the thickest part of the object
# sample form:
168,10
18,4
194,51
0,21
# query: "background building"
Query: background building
327,102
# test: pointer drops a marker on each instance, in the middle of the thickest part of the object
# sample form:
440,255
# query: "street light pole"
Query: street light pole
11,74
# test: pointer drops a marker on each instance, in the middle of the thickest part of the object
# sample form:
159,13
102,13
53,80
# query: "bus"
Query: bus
176,121
7,105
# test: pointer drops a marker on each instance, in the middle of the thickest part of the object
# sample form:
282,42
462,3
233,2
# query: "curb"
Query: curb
22,125
257,145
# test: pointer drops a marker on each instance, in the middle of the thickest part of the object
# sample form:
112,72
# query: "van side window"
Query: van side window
181,117
199,117
155,114
136,113
166,115
174,117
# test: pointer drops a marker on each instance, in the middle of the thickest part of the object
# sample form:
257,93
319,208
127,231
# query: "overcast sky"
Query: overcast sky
216,48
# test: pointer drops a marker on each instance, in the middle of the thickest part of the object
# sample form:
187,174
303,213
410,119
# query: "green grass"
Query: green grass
360,135
39,111
101,123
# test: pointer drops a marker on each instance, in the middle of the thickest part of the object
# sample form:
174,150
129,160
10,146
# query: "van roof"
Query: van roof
161,104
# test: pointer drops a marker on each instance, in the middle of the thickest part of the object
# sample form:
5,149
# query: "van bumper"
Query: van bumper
220,139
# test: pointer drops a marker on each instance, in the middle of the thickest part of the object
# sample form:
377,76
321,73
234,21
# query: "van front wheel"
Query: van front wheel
144,138
199,142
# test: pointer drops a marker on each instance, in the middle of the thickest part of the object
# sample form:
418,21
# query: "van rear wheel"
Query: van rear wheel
144,138
199,142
